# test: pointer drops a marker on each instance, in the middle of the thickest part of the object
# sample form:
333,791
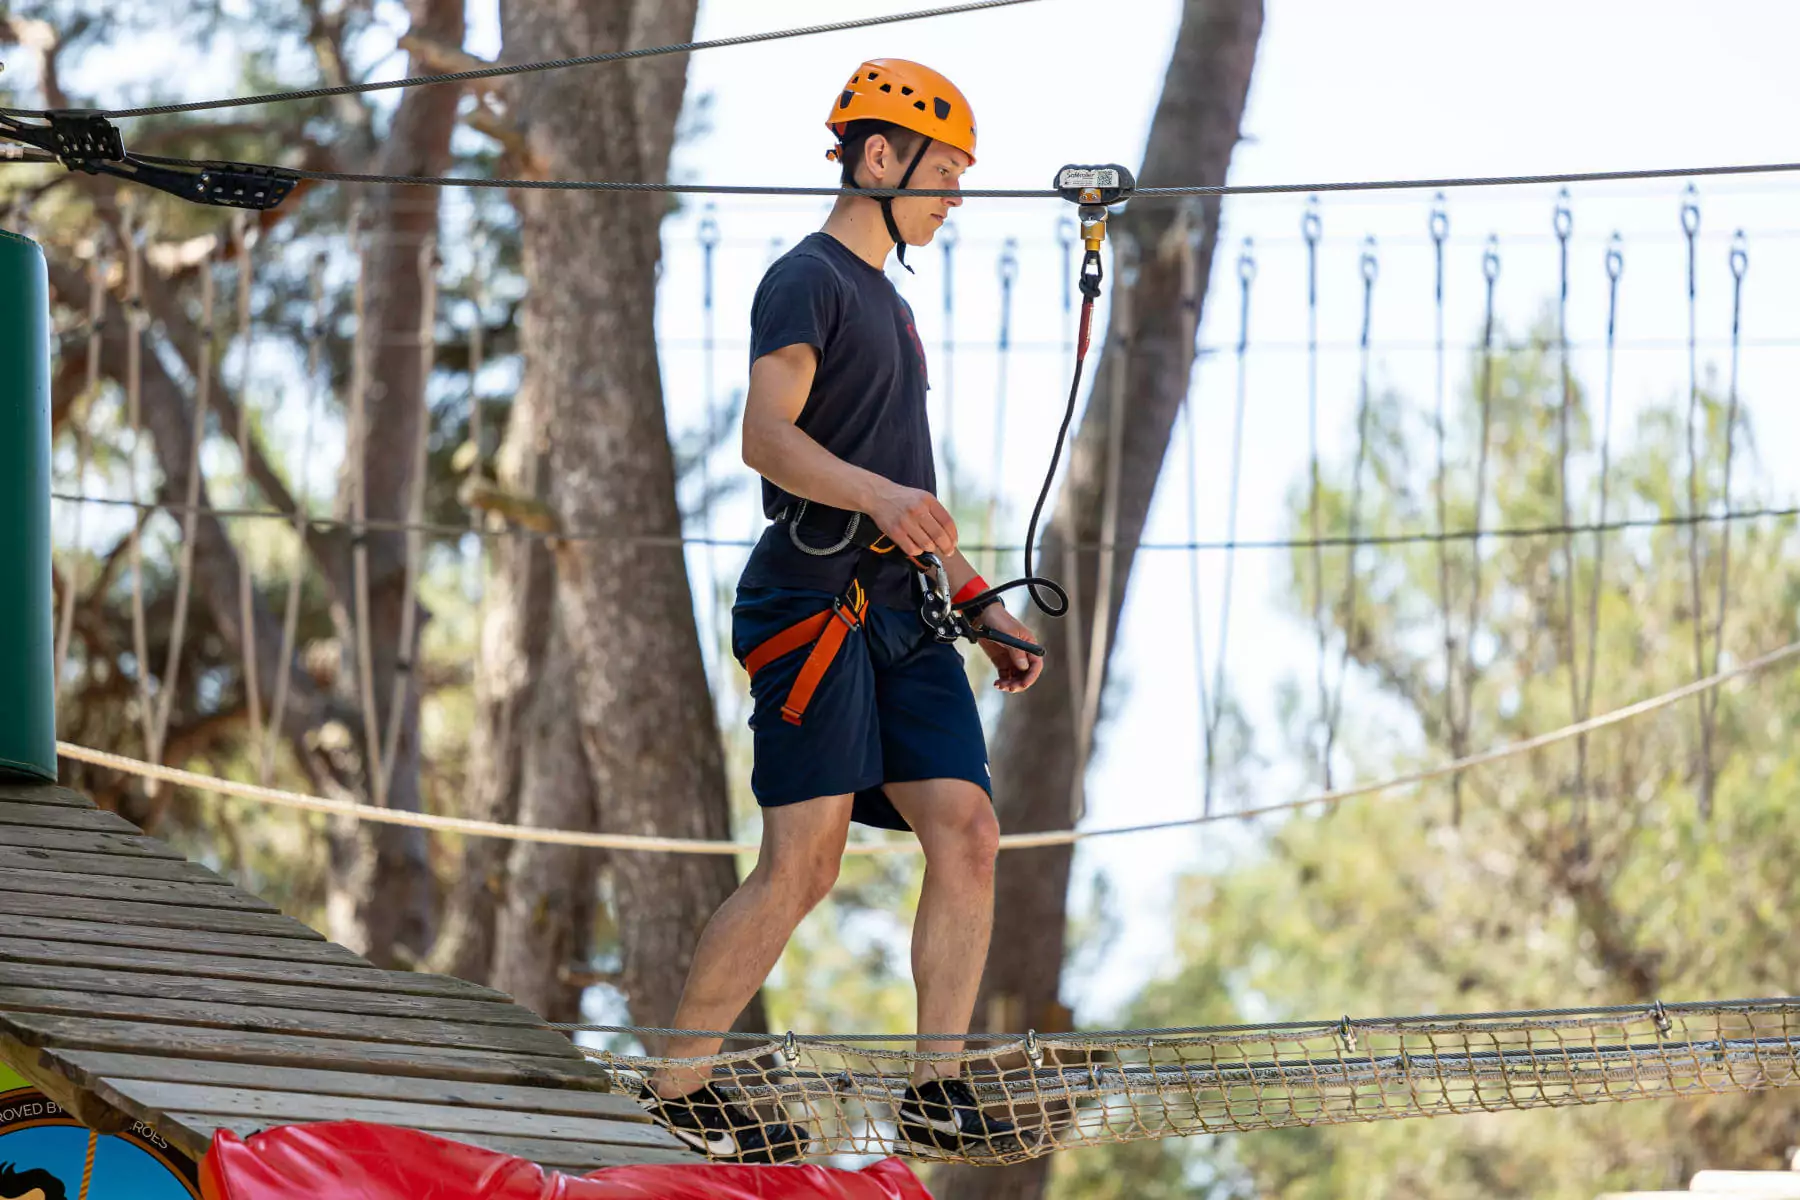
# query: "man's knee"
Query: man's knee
801,881
968,838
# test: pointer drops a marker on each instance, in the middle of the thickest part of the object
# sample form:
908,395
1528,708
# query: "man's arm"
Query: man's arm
777,449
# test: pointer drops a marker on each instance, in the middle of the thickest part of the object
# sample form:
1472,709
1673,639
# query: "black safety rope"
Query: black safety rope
1310,228
1440,233
1352,594
1690,228
1562,221
1615,268
1459,732
557,64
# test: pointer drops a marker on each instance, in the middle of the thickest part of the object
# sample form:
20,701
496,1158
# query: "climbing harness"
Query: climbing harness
950,616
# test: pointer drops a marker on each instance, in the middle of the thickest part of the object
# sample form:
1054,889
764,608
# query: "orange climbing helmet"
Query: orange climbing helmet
908,95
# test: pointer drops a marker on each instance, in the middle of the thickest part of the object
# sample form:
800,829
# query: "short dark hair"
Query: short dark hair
17,1183
905,142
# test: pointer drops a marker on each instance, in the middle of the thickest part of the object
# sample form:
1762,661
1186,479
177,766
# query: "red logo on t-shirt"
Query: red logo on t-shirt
920,347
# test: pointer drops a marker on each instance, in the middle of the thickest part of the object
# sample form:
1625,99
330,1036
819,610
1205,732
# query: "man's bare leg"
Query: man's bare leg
802,846
960,836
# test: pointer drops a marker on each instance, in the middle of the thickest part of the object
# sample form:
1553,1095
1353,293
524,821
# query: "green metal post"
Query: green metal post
27,630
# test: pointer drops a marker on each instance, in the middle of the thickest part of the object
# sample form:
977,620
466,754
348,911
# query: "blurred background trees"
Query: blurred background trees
562,683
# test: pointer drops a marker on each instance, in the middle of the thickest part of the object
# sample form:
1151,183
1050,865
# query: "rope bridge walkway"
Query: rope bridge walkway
135,986
1074,1090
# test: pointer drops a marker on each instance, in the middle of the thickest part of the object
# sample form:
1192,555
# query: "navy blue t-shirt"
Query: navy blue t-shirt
867,403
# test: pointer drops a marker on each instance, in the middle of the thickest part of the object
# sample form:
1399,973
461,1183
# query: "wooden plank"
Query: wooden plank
188,941
311,997
225,966
43,793
154,916
147,891
113,866
290,1108
58,816
570,1157
154,1012
91,843
89,1066
62,1034
50,1078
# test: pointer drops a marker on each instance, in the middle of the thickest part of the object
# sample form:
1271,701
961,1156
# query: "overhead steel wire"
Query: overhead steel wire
1142,193
505,70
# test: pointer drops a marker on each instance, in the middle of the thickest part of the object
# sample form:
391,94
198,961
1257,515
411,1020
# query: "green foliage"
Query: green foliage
1565,877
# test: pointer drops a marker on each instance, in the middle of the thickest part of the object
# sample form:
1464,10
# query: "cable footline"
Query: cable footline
1011,841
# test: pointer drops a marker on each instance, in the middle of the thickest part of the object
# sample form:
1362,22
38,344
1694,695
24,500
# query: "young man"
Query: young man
859,713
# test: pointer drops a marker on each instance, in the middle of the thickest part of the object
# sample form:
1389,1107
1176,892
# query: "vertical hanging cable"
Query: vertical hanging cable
405,662
1310,229
708,235
1615,267
1740,263
1440,233
290,616
1009,271
134,390
947,444
1490,272
65,625
1370,269
359,516
190,517
1563,222
1126,268
1690,227
477,359
1066,233
1246,270
246,598
1187,230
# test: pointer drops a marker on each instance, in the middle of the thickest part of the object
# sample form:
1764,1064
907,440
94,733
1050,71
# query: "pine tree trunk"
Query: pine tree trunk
382,900
1034,758
648,732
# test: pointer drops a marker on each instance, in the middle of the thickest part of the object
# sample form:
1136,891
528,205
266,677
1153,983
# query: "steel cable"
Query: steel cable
501,71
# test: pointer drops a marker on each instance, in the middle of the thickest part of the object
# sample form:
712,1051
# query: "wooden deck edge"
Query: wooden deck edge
44,1072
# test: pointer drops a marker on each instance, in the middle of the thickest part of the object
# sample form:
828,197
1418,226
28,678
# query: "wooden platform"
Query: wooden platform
136,986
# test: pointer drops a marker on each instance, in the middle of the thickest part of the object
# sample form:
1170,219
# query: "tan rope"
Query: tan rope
406,669
246,578
290,617
1011,841
87,1167
134,390
1125,264
184,579
359,512
65,625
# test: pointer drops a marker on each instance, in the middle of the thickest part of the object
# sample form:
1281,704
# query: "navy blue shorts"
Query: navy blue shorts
894,707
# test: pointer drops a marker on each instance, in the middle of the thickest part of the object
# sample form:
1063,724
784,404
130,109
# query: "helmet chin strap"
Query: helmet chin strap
887,205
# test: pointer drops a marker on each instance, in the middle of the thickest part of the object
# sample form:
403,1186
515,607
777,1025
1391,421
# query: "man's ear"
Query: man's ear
876,150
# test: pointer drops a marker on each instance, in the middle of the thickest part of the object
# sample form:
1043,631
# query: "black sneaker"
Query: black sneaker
722,1130
943,1113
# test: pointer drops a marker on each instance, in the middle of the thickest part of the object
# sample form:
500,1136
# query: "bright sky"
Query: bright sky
1378,89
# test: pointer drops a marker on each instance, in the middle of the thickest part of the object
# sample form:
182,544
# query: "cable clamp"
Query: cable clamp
83,140
1033,1049
1347,1034
1660,1015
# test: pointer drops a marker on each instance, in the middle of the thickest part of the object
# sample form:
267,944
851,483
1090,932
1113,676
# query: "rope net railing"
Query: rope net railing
1064,1091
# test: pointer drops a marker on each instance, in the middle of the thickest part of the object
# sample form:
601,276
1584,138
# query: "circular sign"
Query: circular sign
44,1156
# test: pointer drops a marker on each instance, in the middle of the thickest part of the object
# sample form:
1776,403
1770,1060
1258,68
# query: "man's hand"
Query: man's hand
914,520
1018,670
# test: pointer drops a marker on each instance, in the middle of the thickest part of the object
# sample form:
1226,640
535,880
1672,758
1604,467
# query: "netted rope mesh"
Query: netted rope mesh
1066,1091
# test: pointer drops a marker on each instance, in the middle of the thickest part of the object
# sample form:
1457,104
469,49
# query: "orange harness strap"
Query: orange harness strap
825,632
